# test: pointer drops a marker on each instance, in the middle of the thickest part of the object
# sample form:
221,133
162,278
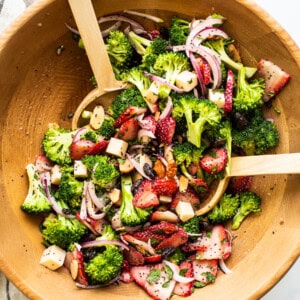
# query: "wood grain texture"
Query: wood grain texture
38,87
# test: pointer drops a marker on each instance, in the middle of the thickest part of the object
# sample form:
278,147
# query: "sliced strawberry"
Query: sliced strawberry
239,184
148,123
164,216
156,258
43,163
127,114
128,130
158,287
80,148
205,270
125,272
187,196
142,247
214,161
185,289
163,227
98,148
212,245
81,275
165,130
146,235
200,187
205,70
275,78
228,92
174,240
165,186
145,195
97,225
133,256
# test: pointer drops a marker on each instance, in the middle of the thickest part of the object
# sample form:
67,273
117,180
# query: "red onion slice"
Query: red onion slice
99,203
145,132
199,74
223,267
137,166
168,109
143,15
208,32
78,134
176,276
99,243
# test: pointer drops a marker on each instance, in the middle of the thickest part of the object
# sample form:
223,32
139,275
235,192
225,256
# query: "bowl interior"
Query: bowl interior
38,87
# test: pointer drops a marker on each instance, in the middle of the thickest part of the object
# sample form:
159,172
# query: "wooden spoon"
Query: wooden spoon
86,20
253,165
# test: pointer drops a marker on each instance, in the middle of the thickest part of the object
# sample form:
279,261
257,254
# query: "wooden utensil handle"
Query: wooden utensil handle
266,164
86,20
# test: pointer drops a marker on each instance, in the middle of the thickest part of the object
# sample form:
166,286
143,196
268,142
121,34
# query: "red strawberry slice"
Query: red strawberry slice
187,196
80,148
200,187
149,123
213,245
228,92
81,277
128,130
163,227
165,186
205,70
133,256
160,287
185,289
156,258
275,78
125,273
147,235
98,148
127,114
43,163
165,130
145,195
214,161
205,270
239,184
175,240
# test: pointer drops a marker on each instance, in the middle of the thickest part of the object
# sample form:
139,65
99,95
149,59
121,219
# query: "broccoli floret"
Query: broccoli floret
107,263
137,77
192,226
249,94
36,200
258,137
101,169
219,45
120,51
250,203
129,214
62,231
107,129
186,154
56,144
148,49
177,257
179,31
198,114
70,189
169,65
225,209
90,135
128,97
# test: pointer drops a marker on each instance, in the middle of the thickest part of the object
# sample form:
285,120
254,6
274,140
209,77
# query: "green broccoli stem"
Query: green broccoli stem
238,219
139,43
195,129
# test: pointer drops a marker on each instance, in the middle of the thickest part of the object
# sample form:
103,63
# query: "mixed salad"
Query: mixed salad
120,196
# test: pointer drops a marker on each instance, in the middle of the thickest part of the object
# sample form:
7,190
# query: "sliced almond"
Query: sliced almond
97,117
115,196
74,269
126,166
183,183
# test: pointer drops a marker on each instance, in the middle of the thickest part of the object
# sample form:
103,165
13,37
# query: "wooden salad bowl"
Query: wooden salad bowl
41,84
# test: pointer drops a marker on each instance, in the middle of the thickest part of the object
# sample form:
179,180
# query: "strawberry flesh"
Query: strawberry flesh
128,130
145,195
98,148
239,184
165,186
174,240
187,196
80,148
205,270
185,289
127,114
165,130
228,92
214,161
275,78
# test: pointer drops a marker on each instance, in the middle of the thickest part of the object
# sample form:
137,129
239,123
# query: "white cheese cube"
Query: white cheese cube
115,196
186,80
53,257
165,199
184,211
151,94
80,170
117,147
55,174
217,96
